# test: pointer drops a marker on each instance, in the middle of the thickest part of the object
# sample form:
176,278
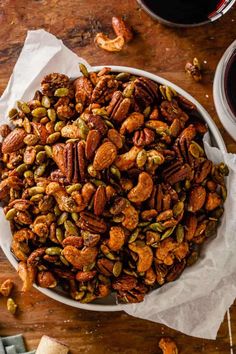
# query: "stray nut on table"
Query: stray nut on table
168,346
123,32
194,69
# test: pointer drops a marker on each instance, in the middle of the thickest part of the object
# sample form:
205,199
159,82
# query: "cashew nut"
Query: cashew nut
117,238
143,189
65,201
111,45
80,258
145,256
130,221
126,161
132,123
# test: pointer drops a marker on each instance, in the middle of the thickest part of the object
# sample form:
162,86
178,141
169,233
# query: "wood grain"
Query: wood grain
158,49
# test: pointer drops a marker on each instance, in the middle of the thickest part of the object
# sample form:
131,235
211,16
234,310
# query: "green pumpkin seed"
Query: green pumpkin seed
53,137
22,168
36,190
40,157
28,174
64,261
31,139
108,123
123,76
167,233
39,171
59,125
170,93
57,211
39,112
89,297
178,208
11,306
100,112
97,182
52,114
117,269
134,235
12,113
46,102
180,233
223,168
27,125
141,158
83,70
61,92
118,218
53,251
115,171
91,170
73,188
84,130
39,148
75,216
59,234
62,218
163,91
156,226
130,272
36,197
71,228
106,251
147,111
196,63
23,107
211,228
89,267
48,150
90,206
78,295
128,91
11,214
144,224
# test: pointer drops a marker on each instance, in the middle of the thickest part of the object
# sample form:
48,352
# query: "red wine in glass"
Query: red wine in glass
230,83
186,12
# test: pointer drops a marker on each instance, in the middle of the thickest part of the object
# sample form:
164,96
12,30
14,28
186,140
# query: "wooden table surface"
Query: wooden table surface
163,51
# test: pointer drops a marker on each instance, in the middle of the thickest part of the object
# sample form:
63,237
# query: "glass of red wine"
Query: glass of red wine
186,13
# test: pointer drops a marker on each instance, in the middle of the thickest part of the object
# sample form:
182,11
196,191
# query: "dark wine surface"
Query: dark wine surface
230,83
183,11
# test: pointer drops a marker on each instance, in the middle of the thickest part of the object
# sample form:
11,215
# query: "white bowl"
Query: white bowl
109,304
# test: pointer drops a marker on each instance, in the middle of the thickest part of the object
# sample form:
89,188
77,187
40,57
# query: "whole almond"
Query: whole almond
115,138
104,156
99,200
121,28
92,142
196,198
58,156
14,141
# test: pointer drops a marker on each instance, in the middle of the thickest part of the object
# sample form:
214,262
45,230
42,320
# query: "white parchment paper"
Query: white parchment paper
196,304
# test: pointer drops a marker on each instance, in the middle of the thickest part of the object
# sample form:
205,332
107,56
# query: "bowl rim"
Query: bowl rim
219,143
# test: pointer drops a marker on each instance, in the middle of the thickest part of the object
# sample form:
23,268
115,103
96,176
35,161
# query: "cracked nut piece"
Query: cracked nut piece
110,45
6,287
194,70
168,346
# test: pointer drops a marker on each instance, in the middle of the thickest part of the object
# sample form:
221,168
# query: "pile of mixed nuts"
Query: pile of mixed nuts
106,185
